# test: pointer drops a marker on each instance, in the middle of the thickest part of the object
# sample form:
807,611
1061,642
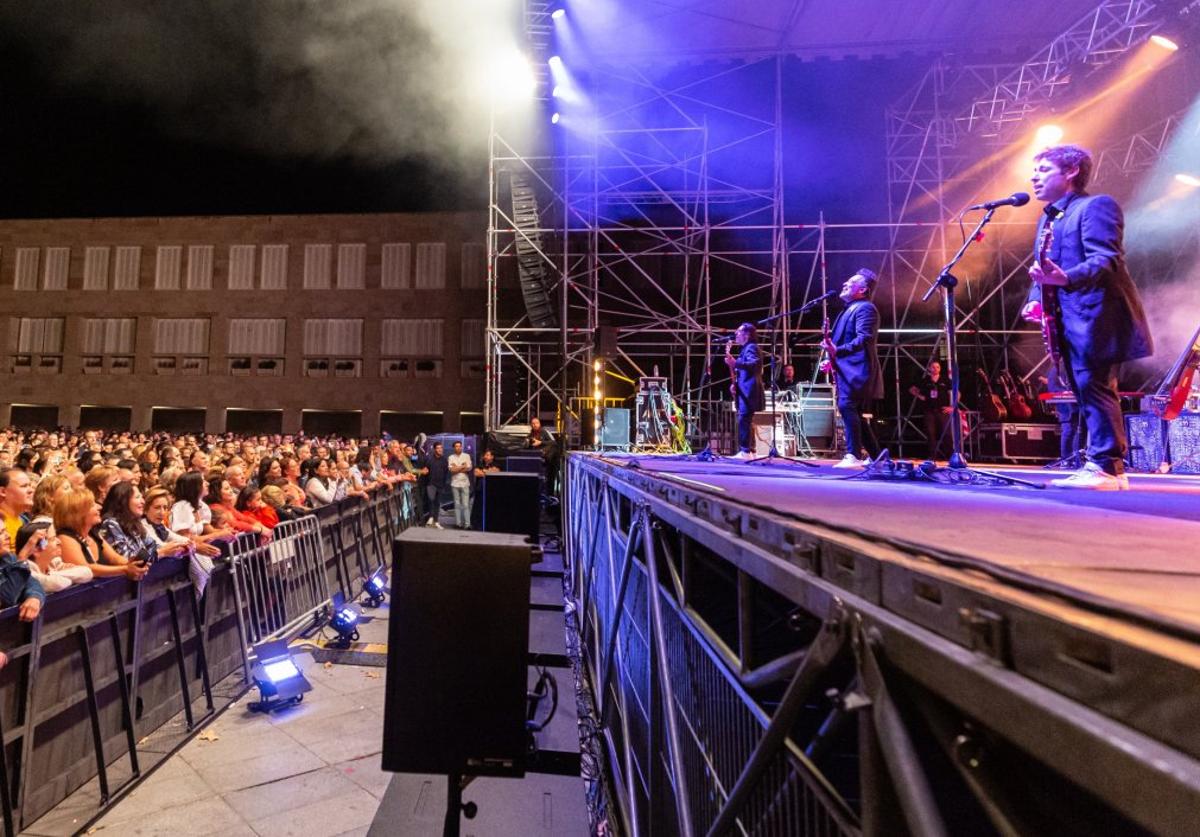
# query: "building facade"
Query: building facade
329,323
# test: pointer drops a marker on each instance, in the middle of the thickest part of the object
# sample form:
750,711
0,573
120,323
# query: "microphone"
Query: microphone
1015,199
825,296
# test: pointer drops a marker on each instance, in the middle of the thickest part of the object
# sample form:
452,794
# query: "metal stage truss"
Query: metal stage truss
639,226
756,672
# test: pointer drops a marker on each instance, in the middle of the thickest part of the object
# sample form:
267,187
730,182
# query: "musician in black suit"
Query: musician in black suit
746,370
1102,322
853,352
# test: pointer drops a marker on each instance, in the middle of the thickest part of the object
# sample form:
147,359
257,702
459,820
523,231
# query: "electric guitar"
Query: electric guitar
1051,311
1173,393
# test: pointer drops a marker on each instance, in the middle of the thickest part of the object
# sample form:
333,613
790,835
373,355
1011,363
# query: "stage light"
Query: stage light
375,588
557,91
555,119
558,14
555,62
512,78
1189,180
279,680
1048,135
1164,42
343,618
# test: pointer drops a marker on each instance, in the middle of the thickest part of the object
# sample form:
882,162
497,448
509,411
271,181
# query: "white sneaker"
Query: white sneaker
1093,478
437,525
742,454
850,461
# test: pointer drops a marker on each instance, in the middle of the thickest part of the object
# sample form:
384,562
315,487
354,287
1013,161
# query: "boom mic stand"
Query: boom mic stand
774,453
959,473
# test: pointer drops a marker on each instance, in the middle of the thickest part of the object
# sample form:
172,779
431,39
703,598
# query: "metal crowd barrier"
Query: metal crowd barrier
285,584
103,666
108,663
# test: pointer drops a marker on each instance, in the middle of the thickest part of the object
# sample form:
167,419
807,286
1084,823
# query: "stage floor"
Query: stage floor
1135,552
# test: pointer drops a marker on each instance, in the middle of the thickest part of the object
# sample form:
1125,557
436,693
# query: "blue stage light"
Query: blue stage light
375,588
555,119
555,62
280,682
343,618
558,14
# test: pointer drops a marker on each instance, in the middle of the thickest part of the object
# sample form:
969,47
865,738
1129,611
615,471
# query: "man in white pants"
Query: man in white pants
460,486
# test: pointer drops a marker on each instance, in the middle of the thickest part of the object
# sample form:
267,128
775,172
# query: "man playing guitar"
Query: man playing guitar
1101,323
747,386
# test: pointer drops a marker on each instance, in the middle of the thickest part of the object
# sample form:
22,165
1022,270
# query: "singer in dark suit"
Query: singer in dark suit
854,357
746,370
1102,321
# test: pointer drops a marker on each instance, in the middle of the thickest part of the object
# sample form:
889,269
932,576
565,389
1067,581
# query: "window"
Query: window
333,347
168,268
25,273
474,266
95,268
471,338
58,261
257,346
126,269
351,267
411,347
181,344
317,266
394,273
431,266
36,344
200,267
108,345
241,267
274,267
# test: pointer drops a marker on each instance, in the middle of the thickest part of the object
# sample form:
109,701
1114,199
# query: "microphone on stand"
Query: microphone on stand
815,301
1015,199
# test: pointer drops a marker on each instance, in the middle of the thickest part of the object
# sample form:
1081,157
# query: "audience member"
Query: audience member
16,499
76,514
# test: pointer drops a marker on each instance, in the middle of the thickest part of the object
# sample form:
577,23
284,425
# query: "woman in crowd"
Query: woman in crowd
76,514
44,557
221,497
274,496
270,472
249,502
157,512
191,516
48,490
293,487
99,480
122,526
318,486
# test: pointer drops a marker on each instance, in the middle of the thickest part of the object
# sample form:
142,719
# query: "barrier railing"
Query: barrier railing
106,664
284,585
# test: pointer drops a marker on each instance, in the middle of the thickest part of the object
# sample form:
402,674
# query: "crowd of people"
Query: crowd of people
79,506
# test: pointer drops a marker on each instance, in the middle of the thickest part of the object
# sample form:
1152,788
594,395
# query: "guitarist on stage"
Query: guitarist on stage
747,386
1101,323
854,358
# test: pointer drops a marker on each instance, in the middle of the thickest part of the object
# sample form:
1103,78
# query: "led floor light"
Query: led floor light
279,680
344,620
375,588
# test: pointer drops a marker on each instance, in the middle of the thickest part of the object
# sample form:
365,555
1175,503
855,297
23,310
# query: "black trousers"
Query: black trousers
937,426
851,409
745,419
1096,390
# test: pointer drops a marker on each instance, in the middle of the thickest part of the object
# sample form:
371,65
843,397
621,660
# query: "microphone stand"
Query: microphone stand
959,473
774,453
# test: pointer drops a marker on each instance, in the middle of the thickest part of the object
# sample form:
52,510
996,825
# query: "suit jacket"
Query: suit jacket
855,337
1102,317
748,385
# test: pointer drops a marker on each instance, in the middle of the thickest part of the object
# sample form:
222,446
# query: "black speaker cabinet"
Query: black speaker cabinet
458,640
511,503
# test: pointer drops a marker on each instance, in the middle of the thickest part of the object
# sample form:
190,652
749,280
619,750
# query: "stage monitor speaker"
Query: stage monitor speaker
511,503
458,642
606,340
1147,437
615,431
1183,438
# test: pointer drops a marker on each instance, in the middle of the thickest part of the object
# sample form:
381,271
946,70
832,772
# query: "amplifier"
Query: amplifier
1183,442
1019,442
1147,442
